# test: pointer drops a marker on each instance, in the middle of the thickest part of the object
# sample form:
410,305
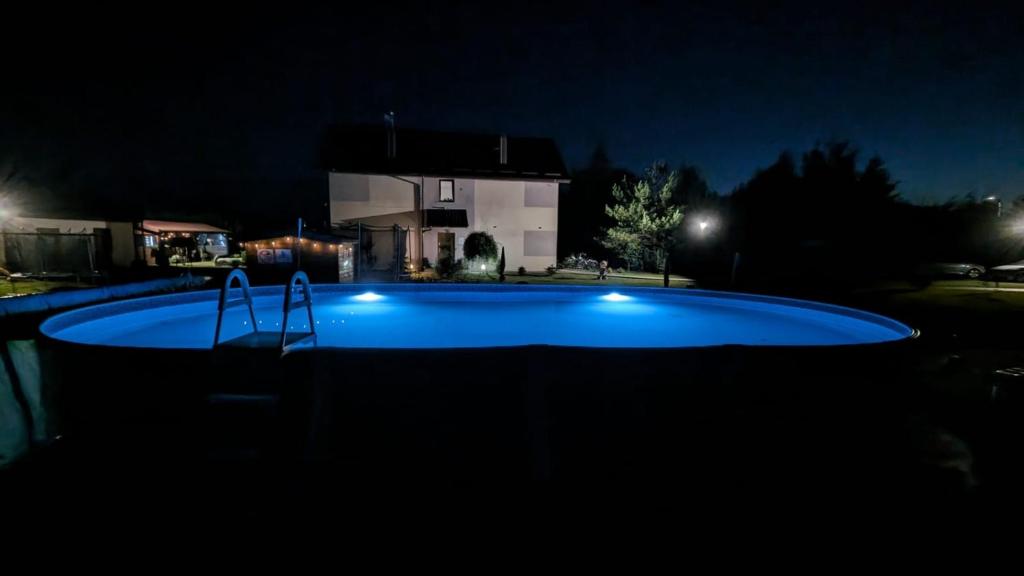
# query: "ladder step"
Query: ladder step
264,340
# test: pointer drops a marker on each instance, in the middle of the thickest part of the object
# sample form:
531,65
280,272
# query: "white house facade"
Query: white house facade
441,187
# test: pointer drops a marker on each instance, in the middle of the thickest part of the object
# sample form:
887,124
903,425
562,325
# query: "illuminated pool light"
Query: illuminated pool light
368,297
615,297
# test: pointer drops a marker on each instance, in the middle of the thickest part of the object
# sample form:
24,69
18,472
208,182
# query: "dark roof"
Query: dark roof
363,149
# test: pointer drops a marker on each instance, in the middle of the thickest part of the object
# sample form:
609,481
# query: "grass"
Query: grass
963,313
26,287
963,295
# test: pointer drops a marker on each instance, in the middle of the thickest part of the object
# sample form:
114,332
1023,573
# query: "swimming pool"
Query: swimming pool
445,316
465,383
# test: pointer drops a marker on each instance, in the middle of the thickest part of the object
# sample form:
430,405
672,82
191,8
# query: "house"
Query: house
442,186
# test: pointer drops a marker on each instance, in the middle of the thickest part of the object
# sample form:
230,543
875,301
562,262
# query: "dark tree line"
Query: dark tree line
826,220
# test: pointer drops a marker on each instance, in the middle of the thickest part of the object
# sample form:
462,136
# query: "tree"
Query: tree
480,245
825,217
581,215
501,266
646,214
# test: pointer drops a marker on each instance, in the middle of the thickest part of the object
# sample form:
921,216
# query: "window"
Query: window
540,242
447,190
541,194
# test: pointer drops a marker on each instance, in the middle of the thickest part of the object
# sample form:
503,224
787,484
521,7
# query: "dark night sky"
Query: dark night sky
170,97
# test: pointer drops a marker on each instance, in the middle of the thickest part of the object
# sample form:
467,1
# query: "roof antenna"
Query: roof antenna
389,120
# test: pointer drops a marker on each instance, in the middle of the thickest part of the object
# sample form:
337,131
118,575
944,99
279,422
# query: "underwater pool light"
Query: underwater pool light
368,297
615,297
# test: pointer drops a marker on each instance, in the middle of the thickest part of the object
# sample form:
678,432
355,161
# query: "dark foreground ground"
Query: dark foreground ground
931,441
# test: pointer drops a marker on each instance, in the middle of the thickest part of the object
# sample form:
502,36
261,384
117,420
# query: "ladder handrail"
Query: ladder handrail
223,303
307,302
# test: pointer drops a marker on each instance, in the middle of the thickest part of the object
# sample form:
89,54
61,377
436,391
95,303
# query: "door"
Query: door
446,246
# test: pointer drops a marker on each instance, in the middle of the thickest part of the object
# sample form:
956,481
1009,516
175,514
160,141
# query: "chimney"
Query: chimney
503,150
392,143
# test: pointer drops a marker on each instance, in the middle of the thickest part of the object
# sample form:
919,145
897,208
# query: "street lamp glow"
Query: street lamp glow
483,266
368,297
703,225
7,211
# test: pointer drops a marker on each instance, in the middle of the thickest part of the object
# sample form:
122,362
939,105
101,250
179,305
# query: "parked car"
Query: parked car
959,269
232,260
1013,272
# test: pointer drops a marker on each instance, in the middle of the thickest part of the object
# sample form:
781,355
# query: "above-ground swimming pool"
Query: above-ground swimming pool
446,316
496,384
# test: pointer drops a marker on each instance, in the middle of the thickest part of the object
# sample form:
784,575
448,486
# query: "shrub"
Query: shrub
501,266
551,270
446,267
522,271
579,262
480,245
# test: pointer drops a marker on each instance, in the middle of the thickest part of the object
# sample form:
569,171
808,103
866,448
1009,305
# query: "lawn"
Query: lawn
974,312
25,287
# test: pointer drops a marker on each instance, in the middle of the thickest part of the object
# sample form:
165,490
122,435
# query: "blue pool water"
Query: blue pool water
472,316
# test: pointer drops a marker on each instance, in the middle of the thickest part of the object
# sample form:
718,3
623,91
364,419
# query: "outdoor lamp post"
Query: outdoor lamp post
704,225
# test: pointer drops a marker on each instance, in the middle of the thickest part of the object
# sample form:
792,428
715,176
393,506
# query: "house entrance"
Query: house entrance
446,246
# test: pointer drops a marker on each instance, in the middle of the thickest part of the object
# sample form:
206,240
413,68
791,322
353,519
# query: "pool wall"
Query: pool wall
569,414
27,416
483,416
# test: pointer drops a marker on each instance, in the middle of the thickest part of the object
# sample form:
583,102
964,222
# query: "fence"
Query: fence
380,250
81,255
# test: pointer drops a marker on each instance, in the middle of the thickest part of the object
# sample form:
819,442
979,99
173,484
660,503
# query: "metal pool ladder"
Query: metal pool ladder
224,303
265,339
290,304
